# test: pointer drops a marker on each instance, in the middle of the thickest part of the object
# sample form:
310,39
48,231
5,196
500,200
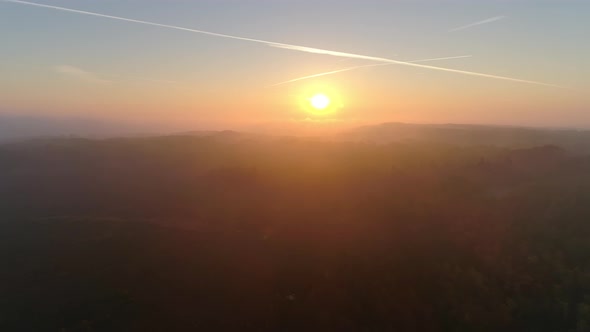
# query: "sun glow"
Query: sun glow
320,101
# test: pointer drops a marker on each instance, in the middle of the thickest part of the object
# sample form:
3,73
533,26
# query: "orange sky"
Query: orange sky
71,64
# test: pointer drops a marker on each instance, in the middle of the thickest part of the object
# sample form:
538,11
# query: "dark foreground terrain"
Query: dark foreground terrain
241,233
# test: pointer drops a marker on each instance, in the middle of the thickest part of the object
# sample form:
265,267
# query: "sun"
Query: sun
320,101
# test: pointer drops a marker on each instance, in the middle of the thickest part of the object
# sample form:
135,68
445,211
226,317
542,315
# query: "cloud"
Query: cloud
364,66
92,77
80,74
288,46
486,21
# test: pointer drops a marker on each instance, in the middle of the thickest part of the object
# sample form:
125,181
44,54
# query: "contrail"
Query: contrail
486,21
378,59
141,22
282,45
439,59
330,73
364,66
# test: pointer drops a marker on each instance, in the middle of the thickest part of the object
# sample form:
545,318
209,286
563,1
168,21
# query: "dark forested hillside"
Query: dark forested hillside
244,233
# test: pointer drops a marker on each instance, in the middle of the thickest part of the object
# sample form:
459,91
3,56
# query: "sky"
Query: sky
534,55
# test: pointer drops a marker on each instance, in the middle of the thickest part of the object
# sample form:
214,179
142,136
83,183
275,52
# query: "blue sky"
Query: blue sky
62,64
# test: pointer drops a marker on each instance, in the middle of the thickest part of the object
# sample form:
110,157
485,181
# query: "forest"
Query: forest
227,231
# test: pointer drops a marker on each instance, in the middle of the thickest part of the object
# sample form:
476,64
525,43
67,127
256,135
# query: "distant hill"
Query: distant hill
22,127
518,137
17,127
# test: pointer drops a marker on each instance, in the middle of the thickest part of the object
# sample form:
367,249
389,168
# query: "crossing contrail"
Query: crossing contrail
283,45
365,66
486,21
403,63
